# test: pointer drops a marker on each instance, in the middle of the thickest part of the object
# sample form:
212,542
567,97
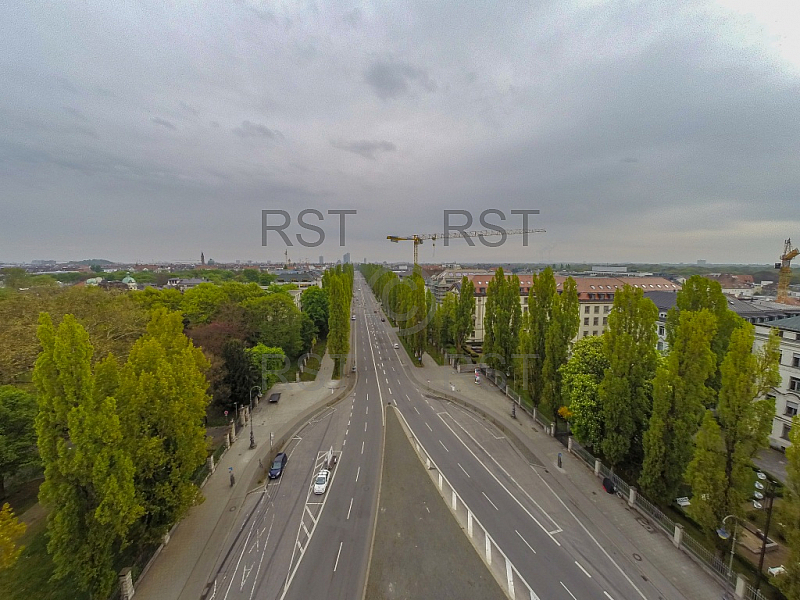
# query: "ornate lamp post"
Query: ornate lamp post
725,534
761,490
252,435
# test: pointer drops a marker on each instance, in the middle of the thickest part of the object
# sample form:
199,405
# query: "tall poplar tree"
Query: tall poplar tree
502,320
541,297
560,331
580,380
680,395
626,391
789,582
89,474
465,312
162,401
744,418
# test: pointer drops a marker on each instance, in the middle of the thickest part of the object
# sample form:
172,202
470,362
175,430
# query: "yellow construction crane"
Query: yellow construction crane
418,239
786,271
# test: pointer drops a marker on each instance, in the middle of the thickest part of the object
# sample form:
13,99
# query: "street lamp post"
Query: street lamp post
252,435
769,488
724,534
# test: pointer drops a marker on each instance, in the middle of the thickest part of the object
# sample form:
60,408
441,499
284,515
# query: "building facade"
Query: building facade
595,297
787,394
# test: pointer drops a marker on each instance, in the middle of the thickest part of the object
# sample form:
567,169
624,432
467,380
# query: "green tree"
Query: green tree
502,321
789,582
744,419
202,302
706,475
162,398
316,304
625,393
680,395
276,321
463,319
240,373
10,531
88,484
562,329
340,291
541,298
580,380
700,293
17,432
268,362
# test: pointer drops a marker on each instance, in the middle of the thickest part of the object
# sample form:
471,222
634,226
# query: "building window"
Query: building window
586,310
524,299
794,384
596,309
606,308
796,360
661,330
586,320
786,430
596,321
605,320
791,408
660,346
594,332
585,333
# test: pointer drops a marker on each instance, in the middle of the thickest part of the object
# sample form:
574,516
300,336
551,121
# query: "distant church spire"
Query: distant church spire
202,258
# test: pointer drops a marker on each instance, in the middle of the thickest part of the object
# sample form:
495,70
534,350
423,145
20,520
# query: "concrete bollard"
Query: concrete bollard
211,465
677,537
233,432
228,441
597,467
632,496
126,584
569,445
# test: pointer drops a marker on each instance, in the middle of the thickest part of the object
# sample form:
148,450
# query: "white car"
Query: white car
321,481
775,571
396,345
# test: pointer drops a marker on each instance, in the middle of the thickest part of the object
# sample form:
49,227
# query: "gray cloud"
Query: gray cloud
390,80
647,131
249,129
365,148
163,123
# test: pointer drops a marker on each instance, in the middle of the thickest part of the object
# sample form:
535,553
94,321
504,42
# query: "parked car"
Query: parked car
321,481
383,318
278,465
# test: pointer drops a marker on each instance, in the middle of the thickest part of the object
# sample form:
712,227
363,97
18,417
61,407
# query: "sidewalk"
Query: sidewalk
184,565
670,570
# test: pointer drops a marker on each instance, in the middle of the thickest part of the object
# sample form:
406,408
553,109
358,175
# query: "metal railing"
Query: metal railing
693,548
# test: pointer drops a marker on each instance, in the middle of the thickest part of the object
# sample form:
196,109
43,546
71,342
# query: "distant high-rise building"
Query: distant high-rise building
701,261
202,258
346,259
321,259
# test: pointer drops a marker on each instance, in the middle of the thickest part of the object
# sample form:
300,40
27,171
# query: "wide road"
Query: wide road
559,554
290,543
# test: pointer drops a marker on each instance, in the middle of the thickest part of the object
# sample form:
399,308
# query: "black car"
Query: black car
277,466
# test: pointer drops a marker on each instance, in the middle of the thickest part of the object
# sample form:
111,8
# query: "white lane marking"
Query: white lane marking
390,389
362,447
358,473
608,556
309,514
607,595
367,409
407,398
526,541
585,572
415,408
337,557
348,421
534,519
343,443
428,509
566,588
349,509
490,501
346,432
463,469
365,427
443,446
428,426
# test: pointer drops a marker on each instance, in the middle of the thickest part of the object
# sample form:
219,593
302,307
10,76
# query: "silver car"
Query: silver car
321,481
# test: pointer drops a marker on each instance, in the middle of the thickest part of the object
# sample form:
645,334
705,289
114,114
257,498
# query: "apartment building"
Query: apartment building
595,295
787,393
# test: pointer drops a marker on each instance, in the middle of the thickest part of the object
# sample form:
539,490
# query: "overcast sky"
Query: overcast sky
653,131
